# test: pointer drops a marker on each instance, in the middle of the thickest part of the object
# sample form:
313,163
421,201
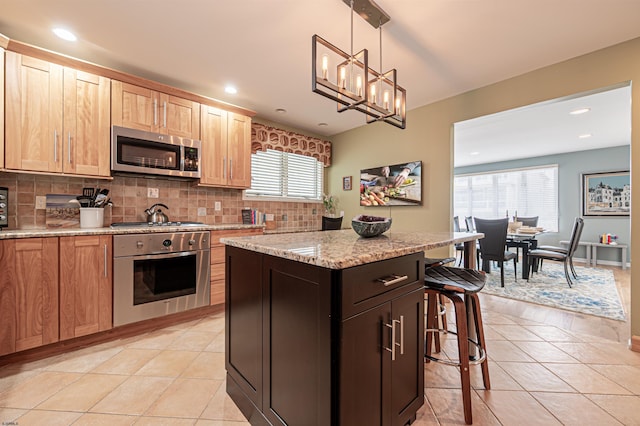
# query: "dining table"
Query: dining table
526,241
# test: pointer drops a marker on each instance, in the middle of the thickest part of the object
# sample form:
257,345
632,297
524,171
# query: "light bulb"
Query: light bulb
385,99
343,78
373,93
325,66
359,85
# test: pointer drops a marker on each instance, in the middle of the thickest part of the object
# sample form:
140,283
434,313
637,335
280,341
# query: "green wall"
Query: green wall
428,137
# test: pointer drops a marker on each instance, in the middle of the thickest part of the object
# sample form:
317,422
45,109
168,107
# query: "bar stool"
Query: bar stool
454,283
430,262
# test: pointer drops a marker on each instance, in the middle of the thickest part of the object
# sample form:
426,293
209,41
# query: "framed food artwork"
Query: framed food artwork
606,194
392,185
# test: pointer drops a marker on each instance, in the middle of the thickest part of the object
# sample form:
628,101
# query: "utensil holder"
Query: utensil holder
91,217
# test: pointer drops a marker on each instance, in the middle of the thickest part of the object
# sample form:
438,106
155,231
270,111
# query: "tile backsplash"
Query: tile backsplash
129,196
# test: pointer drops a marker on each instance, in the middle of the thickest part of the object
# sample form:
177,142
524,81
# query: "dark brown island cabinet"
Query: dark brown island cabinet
308,345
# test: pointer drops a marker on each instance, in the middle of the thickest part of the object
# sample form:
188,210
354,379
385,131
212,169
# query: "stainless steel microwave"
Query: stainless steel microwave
148,153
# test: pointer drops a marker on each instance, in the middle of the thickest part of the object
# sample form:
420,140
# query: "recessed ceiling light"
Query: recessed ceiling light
322,124
585,136
64,34
231,90
580,111
281,111
474,153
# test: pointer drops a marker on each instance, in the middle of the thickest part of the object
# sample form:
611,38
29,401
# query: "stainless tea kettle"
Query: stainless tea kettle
155,215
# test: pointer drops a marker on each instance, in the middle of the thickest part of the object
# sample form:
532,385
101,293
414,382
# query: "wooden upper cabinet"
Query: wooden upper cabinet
226,148
239,150
1,108
57,119
87,124
140,108
28,293
213,159
33,103
86,295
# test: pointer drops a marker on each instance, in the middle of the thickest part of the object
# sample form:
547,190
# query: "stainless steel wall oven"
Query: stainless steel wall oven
158,274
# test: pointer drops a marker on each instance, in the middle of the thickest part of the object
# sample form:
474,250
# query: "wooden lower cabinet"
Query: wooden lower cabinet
28,293
86,296
306,345
217,260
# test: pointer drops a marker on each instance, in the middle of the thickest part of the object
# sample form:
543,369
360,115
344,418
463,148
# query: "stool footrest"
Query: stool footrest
473,360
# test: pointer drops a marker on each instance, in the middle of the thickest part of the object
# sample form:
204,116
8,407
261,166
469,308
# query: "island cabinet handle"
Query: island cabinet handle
393,339
392,279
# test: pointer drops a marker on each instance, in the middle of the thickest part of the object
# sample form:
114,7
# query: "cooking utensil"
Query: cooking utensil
87,192
84,200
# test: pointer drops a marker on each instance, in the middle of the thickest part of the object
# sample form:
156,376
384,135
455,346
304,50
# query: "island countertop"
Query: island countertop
344,248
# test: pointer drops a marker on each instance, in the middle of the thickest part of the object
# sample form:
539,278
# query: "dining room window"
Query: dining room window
526,192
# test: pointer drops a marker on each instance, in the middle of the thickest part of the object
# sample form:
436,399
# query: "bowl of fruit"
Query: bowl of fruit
370,226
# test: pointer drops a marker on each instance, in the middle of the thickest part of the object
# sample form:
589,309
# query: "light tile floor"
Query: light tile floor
540,374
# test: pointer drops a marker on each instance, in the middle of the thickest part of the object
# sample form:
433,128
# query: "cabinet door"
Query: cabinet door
407,371
87,138
214,146
28,293
374,388
239,150
134,107
33,114
85,285
179,117
1,108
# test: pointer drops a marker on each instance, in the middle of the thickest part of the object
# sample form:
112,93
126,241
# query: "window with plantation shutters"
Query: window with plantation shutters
282,175
527,192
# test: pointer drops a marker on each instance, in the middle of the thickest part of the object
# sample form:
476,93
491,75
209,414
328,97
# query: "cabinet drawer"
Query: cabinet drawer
365,286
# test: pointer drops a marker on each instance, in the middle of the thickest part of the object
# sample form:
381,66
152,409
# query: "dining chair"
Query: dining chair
526,221
559,254
492,246
468,221
459,246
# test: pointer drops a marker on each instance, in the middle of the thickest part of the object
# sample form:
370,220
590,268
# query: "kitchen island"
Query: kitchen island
327,328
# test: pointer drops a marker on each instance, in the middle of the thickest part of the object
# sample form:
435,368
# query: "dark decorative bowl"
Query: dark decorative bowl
370,226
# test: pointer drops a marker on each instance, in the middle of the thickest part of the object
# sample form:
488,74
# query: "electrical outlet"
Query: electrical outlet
218,206
153,193
202,211
41,202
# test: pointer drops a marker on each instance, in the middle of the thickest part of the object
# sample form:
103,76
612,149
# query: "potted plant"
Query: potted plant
330,220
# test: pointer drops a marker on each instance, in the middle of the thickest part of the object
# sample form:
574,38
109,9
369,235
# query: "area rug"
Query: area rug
593,293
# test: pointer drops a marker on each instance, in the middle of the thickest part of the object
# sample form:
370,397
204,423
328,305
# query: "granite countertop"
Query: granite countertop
344,248
107,230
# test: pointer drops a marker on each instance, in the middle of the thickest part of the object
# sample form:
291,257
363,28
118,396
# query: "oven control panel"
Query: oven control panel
159,243
4,207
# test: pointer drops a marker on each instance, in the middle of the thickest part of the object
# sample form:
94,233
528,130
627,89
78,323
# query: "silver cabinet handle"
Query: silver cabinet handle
392,339
69,147
155,112
401,334
55,146
231,168
105,260
165,114
392,279
224,167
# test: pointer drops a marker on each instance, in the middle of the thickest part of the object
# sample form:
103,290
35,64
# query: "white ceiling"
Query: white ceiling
546,128
439,47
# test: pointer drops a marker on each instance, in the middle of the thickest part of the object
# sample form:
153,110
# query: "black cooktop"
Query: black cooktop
153,224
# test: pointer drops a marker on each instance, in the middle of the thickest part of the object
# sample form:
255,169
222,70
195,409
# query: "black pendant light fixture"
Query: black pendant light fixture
347,78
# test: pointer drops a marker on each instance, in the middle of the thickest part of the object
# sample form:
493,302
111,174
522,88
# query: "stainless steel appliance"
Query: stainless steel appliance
159,274
140,152
185,224
4,207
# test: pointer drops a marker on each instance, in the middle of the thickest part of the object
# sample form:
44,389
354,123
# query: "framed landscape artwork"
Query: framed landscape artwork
606,194
392,185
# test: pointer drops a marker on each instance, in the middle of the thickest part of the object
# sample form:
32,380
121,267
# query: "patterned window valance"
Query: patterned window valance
265,137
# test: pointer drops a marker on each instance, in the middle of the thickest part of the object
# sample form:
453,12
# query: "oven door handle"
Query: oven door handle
164,256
